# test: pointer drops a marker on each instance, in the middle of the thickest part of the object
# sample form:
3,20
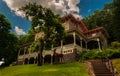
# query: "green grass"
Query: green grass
68,69
116,63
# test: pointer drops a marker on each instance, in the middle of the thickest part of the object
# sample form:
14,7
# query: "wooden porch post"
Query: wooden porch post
24,54
61,46
74,38
86,44
18,56
43,60
51,59
99,44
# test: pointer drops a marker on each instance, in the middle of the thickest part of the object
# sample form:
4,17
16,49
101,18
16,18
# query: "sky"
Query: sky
20,26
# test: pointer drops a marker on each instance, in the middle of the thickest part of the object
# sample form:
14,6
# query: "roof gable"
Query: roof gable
74,20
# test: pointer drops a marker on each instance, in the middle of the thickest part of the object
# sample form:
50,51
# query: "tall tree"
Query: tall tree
47,22
8,41
103,18
109,18
116,19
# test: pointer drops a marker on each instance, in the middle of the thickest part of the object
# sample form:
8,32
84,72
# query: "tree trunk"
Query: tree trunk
40,50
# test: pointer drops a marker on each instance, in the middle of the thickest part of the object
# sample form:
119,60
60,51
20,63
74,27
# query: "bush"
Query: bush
115,44
97,54
13,63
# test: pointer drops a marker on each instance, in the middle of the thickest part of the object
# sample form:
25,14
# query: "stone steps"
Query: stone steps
100,68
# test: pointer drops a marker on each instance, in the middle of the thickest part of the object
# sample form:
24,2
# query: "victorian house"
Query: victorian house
78,38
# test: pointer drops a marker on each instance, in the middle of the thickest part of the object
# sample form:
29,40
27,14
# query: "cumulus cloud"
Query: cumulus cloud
19,31
61,7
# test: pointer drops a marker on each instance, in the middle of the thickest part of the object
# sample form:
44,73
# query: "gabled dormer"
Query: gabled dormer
71,23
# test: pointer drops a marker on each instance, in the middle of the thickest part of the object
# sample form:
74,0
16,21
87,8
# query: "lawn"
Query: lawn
116,63
68,69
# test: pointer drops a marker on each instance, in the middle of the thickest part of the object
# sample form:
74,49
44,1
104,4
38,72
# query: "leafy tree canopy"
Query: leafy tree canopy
45,21
8,41
108,17
5,25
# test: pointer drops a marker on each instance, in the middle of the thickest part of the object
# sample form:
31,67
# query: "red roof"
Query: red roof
94,30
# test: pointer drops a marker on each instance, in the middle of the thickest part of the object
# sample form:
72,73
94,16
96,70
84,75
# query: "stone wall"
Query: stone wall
71,57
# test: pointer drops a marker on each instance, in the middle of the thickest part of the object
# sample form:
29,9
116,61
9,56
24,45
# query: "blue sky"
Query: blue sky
80,8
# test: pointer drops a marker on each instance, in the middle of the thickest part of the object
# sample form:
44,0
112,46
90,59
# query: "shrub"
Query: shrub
99,54
115,44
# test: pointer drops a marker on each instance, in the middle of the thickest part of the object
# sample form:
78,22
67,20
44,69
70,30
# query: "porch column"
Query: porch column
43,60
86,45
18,56
19,52
52,47
74,38
29,57
51,59
34,60
61,46
24,54
25,50
102,46
28,60
99,44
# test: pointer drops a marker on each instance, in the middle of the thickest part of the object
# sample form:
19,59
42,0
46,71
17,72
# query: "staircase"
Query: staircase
100,68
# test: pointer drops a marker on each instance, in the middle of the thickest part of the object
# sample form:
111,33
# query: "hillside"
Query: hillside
68,69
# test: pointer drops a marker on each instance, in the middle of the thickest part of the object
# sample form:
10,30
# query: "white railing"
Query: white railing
20,56
47,52
34,54
67,47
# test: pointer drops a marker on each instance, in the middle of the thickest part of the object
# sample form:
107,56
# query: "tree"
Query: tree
47,22
116,19
8,41
28,38
102,18
109,18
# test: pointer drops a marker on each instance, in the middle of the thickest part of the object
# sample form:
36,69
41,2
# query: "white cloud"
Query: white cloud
58,6
19,31
89,10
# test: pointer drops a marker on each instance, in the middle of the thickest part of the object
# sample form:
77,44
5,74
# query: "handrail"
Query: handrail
110,66
113,70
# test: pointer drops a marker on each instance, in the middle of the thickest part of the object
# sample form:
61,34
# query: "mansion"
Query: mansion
78,38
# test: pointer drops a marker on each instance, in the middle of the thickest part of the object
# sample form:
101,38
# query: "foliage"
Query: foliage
108,17
5,25
116,19
92,54
24,39
44,20
68,69
100,54
35,45
116,64
8,41
115,45
28,38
